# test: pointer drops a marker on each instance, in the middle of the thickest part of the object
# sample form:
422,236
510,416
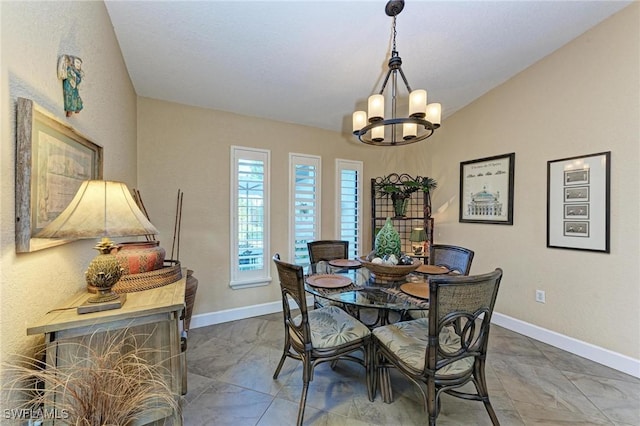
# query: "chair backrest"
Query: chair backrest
464,304
292,286
327,250
457,259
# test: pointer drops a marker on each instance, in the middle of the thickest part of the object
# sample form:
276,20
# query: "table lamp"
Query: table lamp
418,236
101,209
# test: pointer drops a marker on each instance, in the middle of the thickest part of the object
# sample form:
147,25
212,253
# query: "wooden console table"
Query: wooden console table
157,315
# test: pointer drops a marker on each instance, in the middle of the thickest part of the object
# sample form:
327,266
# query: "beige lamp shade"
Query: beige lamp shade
100,209
409,130
359,120
377,133
434,112
376,108
418,103
418,235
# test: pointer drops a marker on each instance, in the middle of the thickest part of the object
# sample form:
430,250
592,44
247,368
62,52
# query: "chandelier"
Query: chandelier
422,119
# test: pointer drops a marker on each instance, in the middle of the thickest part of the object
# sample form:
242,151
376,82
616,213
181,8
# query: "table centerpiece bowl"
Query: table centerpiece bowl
386,272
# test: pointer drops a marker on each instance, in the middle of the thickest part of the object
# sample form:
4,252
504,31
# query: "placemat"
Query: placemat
345,263
420,290
432,269
328,281
423,303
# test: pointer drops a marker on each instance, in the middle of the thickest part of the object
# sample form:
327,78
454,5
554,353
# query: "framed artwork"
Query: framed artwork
486,190
52,160
578,202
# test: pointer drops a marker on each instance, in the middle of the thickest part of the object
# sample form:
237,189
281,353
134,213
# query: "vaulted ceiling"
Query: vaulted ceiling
315,62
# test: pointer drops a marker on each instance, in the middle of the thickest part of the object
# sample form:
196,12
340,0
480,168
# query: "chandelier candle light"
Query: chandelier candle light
101,209
425,116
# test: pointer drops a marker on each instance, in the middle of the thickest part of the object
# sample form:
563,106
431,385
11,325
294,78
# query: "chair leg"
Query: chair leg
432,401
285,351
307,376
483,391
303,402
280,364
491,412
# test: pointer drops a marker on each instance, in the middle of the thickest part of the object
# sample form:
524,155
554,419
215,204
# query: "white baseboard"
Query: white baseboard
586,350
203,320
611,359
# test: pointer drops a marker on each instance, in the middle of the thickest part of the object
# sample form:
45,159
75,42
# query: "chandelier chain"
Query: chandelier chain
394,33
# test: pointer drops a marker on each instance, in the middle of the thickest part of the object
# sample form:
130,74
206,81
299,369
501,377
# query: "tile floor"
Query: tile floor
530,383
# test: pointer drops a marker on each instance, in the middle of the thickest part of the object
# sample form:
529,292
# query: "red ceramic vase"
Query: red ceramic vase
140,256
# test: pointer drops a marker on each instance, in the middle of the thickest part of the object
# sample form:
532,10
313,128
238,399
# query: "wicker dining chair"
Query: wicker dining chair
430,350
456,259
327,250
319,335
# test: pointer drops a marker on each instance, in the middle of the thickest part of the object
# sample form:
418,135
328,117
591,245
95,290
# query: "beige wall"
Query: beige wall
33,35
188,148
582,99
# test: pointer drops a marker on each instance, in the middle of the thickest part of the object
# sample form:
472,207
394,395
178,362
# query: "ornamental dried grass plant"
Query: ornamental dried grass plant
111,379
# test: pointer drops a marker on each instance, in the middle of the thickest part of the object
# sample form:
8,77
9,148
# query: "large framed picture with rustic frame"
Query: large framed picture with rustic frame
578,202
52,160
486,190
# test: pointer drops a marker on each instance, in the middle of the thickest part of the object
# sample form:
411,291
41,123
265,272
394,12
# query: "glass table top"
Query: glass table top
367,292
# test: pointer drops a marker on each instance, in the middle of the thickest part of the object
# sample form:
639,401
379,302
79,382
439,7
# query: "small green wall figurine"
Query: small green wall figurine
71,74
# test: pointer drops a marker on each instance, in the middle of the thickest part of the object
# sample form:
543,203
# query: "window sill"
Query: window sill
257,282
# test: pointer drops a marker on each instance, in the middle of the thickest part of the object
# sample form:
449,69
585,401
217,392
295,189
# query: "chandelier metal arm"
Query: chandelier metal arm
406,82
384,83
386,80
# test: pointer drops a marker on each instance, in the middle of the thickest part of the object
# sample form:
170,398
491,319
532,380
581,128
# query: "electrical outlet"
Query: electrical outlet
540,297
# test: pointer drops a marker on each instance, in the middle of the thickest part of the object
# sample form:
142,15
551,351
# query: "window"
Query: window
249,217
304,196
349,204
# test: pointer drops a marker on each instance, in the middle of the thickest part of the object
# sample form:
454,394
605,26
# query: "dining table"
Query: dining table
347,283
